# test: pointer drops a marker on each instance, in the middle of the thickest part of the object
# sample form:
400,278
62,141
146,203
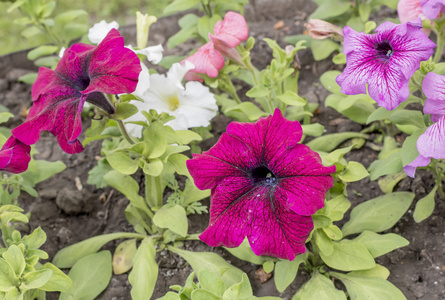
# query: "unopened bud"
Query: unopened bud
319,30
143,23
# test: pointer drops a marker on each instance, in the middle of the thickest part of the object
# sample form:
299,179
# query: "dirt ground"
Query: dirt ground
70,213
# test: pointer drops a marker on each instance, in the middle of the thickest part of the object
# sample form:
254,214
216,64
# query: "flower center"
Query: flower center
173,102
263,175
384,50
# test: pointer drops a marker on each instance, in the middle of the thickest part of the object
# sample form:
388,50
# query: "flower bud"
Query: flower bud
143,23
319,30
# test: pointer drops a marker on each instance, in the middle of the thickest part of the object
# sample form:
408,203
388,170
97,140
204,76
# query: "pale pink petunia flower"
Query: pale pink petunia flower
207,60
432,8
411,10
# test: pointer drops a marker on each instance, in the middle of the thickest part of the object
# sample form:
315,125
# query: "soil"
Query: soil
70,210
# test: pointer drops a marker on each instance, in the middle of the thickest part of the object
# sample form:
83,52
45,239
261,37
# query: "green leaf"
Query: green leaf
187,136
319,287
336,207
327,79
388,182
377,271
36,239
8,278
123,256
268,266
181,36
29,78
372,288
354,172
329,142
378,214
155,139
252,111
313,129
291,98
204,295
127,186
379,114
42,170
242,290
153,168
364,10
212,262
212,282
349,256
286,271
124,111
258,92
244,252
355,107
379,244
173,218
391,165
122,162
425,206
204,27
59,281
96,174
330,9
408,117
5,116
90,276
42,51
339,59
145,271
324,243
409,148
68,256
35,279
14,257
180,5
321,49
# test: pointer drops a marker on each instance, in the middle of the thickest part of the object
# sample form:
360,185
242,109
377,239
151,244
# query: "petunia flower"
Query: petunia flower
192,105
209,57
410,10
84,73
207,60
264,185
385,61
14,156
431,144
432,8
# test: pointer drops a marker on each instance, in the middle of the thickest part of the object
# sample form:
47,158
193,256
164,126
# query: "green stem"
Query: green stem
440,41
124,132
232,90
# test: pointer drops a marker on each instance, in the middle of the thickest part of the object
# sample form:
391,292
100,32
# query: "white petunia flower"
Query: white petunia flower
192,105
100,30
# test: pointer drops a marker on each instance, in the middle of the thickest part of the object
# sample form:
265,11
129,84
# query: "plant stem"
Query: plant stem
124,132
440,41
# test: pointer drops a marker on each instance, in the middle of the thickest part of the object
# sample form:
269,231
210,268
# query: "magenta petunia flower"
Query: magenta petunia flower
385,61
265,185
432,8
14,156
83,74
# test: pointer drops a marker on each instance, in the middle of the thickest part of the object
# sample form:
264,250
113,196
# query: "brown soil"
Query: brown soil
69,214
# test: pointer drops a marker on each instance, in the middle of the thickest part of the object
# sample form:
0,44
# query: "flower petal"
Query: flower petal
420,161
432,142
432,8
100,30
433,86
238,211
232,30
387,75
113,69
14,156
206,61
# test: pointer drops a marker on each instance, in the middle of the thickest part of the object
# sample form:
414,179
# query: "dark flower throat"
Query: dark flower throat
262,175
384,50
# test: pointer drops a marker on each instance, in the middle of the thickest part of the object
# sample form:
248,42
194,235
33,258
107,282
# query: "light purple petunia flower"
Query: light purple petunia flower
14,156
432,8
83,74
385,61
431,144
265,185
